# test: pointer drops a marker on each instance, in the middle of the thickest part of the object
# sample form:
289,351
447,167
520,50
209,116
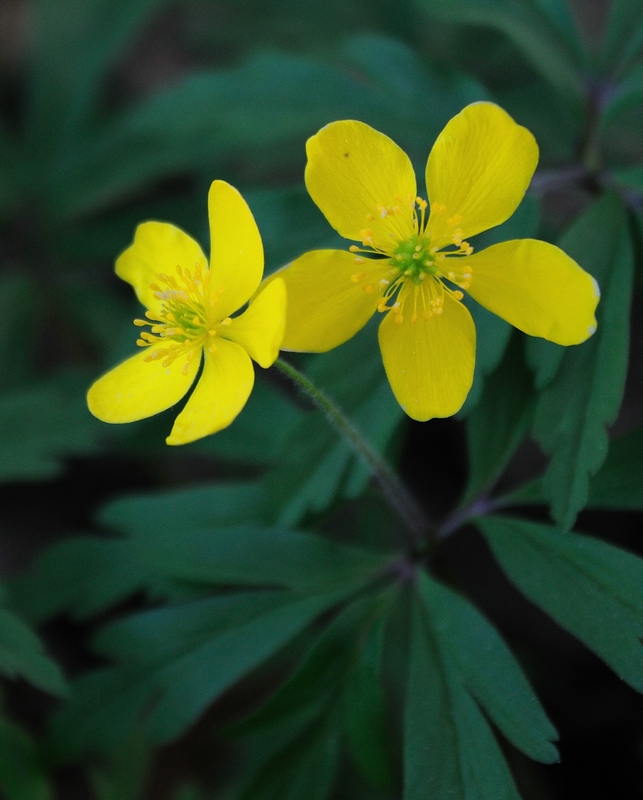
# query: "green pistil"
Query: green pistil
413,258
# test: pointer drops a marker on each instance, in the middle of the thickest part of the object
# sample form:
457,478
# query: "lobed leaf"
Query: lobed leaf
449,749
189,656
623,38
592,589
585,394
22,656
542,29
478,659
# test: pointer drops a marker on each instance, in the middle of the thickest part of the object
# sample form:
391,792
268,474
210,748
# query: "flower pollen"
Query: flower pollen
187,319
413,259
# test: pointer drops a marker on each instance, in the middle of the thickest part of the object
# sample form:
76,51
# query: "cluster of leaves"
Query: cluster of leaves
353,668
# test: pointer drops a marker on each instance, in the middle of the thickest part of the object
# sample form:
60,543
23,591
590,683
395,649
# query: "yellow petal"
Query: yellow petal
429,363
222,391
354,174
137,388
158,247
260,329
236,254
537,288
478,171
330,298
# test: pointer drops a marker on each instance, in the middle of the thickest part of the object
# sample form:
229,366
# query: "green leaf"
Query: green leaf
544,359
199,507
216,547
364,714
627,95
317,680
482,663
585,394
260,556
592,589
77,41
42,424
84,576
499,423
623,37
618,485
542,29
449,749
305,768
18,301
22,656
178,661
22,773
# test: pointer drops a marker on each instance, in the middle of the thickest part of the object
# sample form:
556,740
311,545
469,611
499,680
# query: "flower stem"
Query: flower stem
395,492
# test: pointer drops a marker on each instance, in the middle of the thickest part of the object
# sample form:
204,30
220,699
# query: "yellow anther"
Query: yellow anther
186,368
383,283
417,248
212,348
457,236
414,317
358,260
354,248
396,308
456,219
369,217
140,322
438,208
226,321
457,294
142,343
422,203
368,288
427,314
358,276
381,306
399,319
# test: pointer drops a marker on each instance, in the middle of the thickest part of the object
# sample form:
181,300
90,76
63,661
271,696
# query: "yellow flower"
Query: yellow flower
411,265
189,316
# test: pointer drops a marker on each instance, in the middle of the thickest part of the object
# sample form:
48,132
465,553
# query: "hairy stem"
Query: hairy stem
395,492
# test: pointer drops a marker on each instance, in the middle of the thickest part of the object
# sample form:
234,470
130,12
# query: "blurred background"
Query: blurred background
117,111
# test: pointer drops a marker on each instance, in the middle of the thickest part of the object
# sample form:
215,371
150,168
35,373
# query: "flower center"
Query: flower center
414,258
418,267
186,320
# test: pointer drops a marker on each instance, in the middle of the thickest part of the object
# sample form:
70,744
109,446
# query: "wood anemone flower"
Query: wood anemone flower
413,260
189,321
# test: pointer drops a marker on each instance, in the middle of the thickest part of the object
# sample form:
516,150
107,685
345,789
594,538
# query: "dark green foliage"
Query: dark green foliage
22,774
500,421
591,588
585,395
543,31
22,656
